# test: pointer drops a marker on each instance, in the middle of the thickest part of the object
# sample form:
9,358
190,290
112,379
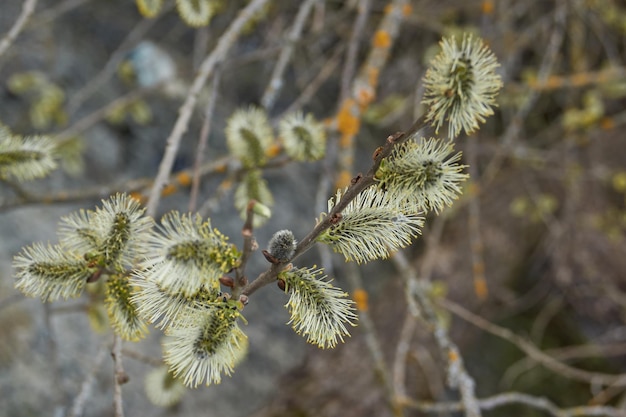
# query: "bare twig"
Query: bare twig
103,191
312,87
531,350
508,398
206,69
474,229
353,48
202,142
402,351
372,342
120,376
458,376
276,82
96,116
85,389
28,7
515,126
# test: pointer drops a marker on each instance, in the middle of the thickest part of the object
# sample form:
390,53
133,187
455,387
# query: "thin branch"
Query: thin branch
458,377
359,183
276,82
364,87
515,126
314,85
103,191
28,7
85,389
202,142
402,351
120,376
372,341
206,69
353,48
531,350
509,398
474,229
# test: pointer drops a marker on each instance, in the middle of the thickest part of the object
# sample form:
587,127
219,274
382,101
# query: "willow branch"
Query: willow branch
359,184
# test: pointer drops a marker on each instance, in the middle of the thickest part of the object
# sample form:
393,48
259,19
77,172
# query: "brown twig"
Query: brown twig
359,184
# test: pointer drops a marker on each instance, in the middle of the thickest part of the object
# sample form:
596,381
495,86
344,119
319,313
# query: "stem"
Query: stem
359,184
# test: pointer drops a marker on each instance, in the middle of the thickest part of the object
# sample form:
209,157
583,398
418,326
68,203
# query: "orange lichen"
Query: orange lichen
221,168
137,196
372,76
360,297
407,9
580,79
487,6
607,123
347,121
365,95
273,150
343,179
225,185
183,178
473,189
553,82
452,355
169,189
382,39
480,288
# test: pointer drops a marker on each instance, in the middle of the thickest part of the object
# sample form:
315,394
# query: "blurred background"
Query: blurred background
535,245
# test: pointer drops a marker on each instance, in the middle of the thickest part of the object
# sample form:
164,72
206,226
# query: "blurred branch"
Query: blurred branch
276,82
120,376
86,387
531,350
509,398
102,191
28,7
313,86
547,64
458,378
202,141
372,341
206,69
349,67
